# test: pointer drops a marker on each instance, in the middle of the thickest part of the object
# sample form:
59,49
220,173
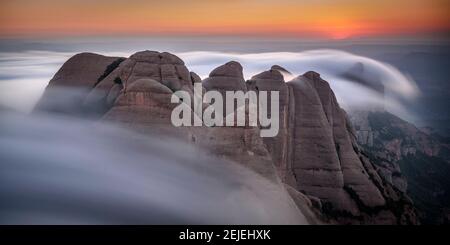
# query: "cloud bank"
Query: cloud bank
62,170
358,82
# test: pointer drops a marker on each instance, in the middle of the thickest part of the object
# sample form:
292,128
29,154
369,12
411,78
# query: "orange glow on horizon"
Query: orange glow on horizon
335,19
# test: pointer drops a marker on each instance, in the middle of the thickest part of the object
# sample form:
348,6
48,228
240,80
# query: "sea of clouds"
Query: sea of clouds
356,80
63,170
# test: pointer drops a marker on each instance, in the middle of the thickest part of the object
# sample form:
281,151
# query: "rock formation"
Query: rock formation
326,159
278,146
76,79
315,154
413,161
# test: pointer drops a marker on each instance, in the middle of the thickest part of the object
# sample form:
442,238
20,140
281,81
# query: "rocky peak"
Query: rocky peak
274,75
82,70
74,81
272,80
312,75
156,57
229,69
162,67
227,77
280,69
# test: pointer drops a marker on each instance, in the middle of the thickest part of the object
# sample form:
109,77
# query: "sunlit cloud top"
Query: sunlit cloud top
309,18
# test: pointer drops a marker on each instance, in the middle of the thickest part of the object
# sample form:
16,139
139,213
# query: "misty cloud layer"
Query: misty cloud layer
355,79
61,170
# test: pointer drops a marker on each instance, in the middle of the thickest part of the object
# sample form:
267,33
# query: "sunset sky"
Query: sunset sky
308,18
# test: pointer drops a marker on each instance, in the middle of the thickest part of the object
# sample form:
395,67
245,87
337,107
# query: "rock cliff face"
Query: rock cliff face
414,161
278,146
382,130
144,105
315,153
324,161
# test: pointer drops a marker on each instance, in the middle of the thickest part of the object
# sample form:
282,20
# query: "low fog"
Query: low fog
63,170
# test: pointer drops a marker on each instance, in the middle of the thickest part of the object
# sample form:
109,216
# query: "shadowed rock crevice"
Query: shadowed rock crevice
110,68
